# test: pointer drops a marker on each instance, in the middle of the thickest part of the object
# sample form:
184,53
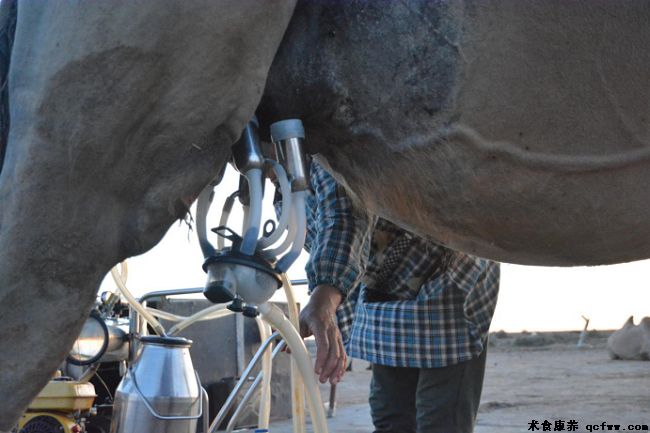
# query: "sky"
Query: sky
531,298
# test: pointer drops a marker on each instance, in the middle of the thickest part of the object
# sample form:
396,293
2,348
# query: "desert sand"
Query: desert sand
529,377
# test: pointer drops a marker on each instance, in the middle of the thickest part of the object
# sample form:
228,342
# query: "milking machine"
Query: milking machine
244,275
160,390
251,269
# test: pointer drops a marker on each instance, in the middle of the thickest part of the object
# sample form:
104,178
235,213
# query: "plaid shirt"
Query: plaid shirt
409,302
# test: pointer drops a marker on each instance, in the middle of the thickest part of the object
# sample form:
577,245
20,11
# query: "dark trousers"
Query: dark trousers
426,400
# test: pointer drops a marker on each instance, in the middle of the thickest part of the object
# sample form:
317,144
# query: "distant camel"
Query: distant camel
631,341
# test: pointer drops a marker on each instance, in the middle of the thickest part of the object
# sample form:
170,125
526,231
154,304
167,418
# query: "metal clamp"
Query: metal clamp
168,418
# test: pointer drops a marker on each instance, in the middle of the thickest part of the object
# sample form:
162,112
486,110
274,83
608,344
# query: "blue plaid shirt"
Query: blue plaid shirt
409,302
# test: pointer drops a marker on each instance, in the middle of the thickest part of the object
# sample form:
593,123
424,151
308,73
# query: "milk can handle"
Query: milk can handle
163,417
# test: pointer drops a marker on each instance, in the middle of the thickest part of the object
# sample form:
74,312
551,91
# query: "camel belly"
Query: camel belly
517,131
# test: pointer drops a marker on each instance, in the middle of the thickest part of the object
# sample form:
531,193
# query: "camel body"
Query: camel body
511,130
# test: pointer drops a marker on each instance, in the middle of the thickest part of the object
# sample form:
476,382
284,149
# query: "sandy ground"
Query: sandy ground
542,377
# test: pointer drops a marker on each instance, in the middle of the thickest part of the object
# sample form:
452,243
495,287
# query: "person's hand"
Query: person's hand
318,318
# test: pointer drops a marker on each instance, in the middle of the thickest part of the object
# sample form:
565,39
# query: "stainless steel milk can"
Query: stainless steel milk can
161,392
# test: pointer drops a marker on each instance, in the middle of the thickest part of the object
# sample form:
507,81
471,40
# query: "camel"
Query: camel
512,130
631,341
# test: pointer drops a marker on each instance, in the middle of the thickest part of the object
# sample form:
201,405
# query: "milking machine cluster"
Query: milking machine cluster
248,272
160,390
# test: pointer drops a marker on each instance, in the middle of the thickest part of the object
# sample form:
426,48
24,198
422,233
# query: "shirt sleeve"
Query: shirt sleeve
339,235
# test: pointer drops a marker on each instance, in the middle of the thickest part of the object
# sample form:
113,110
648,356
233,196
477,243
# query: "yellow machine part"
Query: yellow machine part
64,396
67,423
